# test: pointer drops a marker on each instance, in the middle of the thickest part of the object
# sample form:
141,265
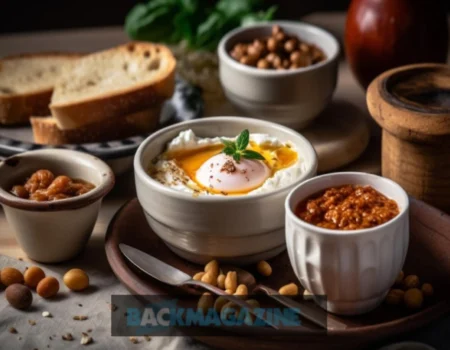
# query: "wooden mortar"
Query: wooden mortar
412,105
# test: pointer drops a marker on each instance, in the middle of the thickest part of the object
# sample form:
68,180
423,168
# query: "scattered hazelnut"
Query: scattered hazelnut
48,287
32,322
85,339
12,330
10,275
395,297
67,336
413,298
427,290
76,279
80,318
134,340
19,296
289,289
33,276
399,279
411,281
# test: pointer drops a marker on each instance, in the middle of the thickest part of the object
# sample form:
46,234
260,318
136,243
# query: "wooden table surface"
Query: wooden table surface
86,40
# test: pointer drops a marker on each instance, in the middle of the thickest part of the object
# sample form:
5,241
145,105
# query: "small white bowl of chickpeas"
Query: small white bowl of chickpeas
283,71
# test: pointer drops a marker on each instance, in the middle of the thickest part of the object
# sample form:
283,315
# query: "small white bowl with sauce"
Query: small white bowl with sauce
239,228
353,269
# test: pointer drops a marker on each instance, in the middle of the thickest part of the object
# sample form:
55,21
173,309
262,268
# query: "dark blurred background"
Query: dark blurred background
19,16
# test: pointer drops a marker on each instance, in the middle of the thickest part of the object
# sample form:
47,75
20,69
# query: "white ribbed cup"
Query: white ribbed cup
354,269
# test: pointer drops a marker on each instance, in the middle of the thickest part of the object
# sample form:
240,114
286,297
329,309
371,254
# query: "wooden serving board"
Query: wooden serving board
427,257
339,135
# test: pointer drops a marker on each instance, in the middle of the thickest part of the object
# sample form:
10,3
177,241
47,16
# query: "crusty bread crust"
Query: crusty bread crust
15,109
46,131
140,96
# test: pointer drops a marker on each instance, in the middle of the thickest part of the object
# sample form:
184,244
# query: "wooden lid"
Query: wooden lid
413,102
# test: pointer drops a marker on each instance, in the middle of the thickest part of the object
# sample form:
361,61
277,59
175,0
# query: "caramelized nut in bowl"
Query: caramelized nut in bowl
53,217
292,94
353,268
243,228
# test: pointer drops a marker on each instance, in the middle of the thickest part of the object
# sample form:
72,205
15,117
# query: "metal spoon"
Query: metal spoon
311,313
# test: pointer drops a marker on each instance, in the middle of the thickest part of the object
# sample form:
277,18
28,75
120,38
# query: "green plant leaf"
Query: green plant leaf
237,157
249,154
228,143
229,151
243,140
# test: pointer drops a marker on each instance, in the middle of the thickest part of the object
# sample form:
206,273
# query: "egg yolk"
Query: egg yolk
212,177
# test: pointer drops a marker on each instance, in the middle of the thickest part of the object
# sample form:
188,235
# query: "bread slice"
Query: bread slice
113,83
26,84
46,131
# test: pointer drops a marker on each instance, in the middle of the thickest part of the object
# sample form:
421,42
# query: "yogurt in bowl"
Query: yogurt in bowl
198,165
241,217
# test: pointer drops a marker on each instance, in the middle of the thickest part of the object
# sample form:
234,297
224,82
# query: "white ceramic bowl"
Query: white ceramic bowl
289,97
53,231
353,269
242,229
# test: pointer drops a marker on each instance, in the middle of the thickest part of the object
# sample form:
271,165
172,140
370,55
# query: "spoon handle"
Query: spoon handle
231,298
315,315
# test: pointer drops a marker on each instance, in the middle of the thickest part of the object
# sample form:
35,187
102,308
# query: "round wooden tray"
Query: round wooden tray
427,256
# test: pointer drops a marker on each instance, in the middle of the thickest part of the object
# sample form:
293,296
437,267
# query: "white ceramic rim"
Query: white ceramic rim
108,181
326,231
142,173
224,55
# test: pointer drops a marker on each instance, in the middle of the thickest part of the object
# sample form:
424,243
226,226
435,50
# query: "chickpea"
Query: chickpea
205,302
286,64
254,52
272,45
10,275
229,309
209,278
280,37
198,276
212,267
221,281
289,289
241,291
247,60
259,44
249,318
33,276
395,297
413,298
237,55
299,59
304,48
270,56
76,279
427,290
48,287
219,303
231,281
276,29
264,268
263,64
411,281
307,295
290,45
229,291
399,279
277,62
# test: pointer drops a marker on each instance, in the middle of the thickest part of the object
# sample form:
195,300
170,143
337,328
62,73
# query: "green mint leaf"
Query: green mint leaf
242,140
249,154
237,157
228,143
229,151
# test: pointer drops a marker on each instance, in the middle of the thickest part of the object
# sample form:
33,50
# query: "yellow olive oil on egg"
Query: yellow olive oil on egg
277,158
190,161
